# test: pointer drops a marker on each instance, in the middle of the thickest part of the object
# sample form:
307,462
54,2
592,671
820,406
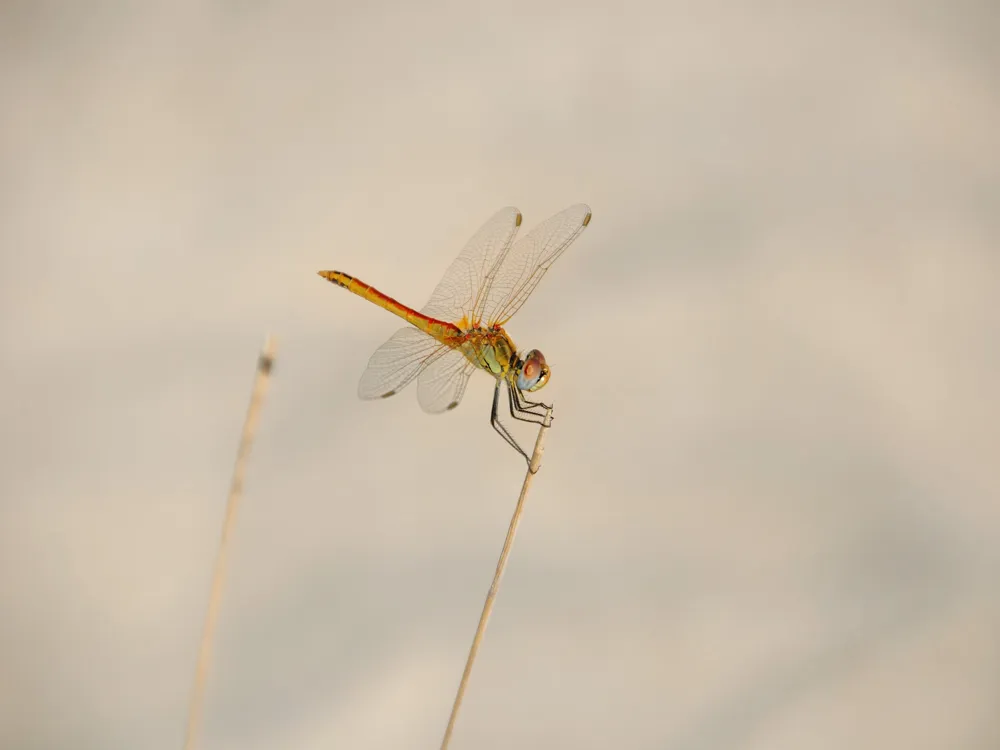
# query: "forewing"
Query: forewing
398,361
441,386
462,289
513,280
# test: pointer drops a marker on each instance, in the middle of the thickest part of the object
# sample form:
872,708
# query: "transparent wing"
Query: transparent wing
514,278
441,386
461,292
398,361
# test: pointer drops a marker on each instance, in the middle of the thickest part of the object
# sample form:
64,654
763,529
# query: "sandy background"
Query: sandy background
769,514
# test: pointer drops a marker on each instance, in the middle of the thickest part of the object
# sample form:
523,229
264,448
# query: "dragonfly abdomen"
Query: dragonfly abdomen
436,328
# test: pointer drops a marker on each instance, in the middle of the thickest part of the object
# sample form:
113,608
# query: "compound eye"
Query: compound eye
534,372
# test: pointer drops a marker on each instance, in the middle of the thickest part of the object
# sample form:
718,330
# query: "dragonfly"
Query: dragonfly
461,328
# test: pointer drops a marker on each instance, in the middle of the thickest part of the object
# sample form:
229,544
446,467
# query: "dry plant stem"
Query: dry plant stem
533,465
261,380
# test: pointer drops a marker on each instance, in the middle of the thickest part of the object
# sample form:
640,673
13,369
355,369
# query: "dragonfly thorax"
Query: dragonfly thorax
490,349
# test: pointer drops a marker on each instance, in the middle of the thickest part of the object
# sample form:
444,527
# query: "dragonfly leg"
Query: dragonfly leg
524,406
518,411
498,426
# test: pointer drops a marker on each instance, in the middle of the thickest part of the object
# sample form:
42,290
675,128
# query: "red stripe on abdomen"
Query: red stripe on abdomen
437,328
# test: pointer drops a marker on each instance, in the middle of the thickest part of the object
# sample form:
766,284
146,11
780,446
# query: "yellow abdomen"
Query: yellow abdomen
438,328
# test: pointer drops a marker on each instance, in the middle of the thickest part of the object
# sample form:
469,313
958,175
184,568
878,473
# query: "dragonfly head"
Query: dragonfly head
532,372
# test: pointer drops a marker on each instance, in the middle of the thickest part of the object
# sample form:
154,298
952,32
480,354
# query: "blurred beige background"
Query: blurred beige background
768,515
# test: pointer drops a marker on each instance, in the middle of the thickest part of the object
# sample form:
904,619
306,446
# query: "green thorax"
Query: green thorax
491,350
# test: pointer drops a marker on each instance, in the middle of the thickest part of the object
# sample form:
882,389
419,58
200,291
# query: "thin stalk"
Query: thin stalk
533,465
261,380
